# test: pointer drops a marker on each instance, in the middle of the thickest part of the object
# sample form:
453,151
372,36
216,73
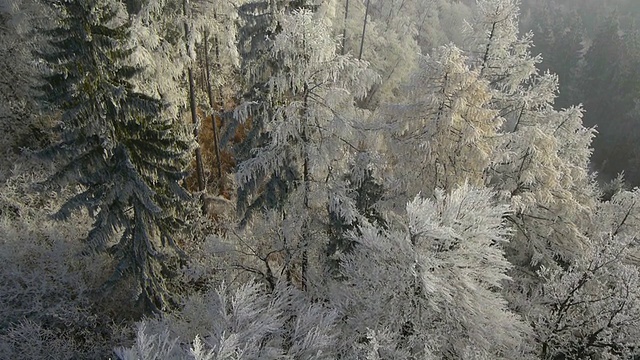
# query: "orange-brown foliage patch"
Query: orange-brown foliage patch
216,183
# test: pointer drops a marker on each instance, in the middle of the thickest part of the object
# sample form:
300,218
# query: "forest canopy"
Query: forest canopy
319,179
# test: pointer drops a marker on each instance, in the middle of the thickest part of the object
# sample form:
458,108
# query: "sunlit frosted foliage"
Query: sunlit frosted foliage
540,165
592,308
308,120
503,56
432,286
543,171
446,124
243,323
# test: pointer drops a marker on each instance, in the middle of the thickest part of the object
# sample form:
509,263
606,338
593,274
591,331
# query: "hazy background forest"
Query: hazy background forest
593,47
319,179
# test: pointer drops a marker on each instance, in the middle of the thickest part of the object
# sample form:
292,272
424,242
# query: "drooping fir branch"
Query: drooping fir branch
117,145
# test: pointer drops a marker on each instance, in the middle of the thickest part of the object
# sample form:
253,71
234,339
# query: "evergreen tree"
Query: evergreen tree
592,308
260,24
447,123
541,164
365,191
428,288
115,144
308,126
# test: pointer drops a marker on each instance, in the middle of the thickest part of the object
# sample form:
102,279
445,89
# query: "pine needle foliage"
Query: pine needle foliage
116,147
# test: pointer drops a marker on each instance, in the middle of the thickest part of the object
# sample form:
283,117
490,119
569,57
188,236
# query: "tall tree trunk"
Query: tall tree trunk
306,231
203,75
344,28
306,226
216,143
364,30
192,103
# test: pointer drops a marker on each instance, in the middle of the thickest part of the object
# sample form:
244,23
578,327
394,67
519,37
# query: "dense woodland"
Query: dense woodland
330,179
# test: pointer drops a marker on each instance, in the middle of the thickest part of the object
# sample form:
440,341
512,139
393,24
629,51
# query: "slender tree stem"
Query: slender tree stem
364,30
344,28
306,183
192,104
216,143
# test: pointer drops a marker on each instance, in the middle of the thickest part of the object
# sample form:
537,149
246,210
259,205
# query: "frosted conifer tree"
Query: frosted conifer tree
246,322
564,273
366,192
117,146
388,40
260,24
541,164
447,125
307,118
503,57
592,308
429,287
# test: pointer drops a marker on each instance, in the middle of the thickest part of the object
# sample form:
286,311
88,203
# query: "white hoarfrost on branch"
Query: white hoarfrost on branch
433,286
